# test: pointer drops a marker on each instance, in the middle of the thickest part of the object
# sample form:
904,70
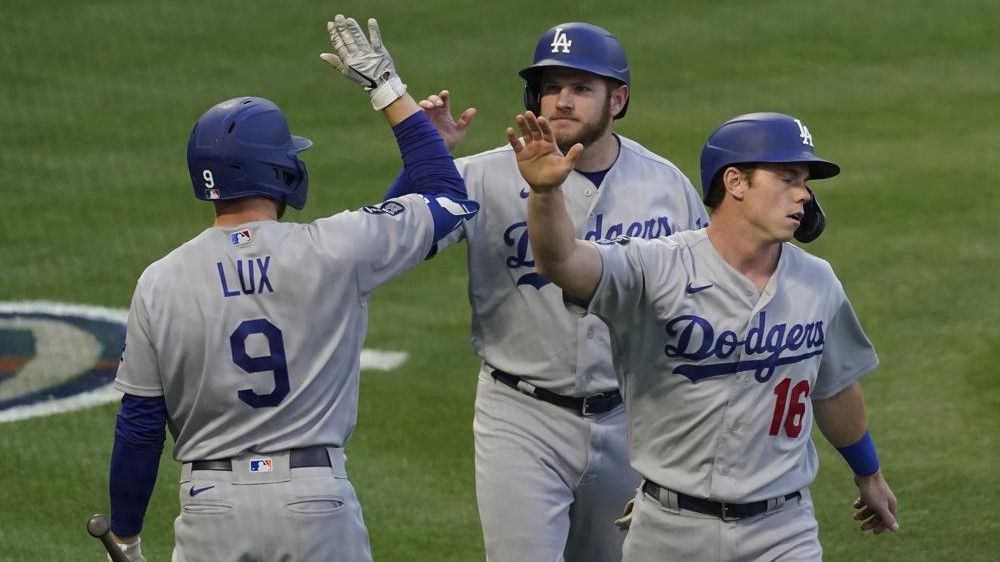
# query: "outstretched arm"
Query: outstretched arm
575,266
842,420
437,108
428,166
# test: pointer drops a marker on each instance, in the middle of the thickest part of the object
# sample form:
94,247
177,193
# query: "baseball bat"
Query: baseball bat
100,528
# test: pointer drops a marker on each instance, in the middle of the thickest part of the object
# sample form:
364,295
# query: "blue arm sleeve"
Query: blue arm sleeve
139,434
427,166
401,186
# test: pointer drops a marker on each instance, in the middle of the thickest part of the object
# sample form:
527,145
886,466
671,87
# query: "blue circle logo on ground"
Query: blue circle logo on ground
57,357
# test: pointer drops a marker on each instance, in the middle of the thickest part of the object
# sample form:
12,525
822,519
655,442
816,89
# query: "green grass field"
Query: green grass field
97,99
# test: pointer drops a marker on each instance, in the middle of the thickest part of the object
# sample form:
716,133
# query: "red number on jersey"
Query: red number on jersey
795,413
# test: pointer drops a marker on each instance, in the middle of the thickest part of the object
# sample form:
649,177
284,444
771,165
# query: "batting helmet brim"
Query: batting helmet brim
300,143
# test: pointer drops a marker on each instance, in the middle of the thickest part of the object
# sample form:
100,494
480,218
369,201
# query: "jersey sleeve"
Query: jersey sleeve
848,354
620,290
138,372
383,241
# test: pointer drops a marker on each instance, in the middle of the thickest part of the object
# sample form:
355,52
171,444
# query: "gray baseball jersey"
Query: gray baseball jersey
253,334
549,482
519,323
718,377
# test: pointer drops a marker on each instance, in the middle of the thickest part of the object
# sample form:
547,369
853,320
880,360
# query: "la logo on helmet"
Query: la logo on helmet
561,41
807,137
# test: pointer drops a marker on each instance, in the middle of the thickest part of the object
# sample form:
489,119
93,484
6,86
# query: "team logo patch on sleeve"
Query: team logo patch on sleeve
620,240
391,208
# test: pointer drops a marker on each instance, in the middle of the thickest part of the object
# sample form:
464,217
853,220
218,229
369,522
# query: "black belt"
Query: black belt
585,406
722,510
316,455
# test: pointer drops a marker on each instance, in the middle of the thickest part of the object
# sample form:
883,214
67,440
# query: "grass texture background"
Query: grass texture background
97,100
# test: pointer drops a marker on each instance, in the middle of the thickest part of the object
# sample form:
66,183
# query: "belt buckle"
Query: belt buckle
585,409
724,515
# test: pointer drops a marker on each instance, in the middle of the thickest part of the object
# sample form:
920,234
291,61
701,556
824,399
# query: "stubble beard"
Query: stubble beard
588,134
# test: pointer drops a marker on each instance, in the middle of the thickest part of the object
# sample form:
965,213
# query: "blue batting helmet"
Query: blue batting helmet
242,148
580,46
761,137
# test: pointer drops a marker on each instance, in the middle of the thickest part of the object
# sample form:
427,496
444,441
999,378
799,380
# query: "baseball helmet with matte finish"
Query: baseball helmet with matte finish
761,137
580,46
243,148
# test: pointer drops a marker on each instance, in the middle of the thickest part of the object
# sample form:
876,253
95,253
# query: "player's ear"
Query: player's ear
619,96
735,181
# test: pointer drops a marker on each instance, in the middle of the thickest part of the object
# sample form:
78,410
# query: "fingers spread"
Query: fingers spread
467,116
532,127
334,61
515,142
336,29
574,152
375,33
354,40
522,124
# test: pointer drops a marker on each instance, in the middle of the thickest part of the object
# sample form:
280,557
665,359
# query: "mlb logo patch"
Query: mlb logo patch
213,193
261,465
241,237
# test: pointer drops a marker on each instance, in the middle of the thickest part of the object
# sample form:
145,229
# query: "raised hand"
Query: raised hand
365,62
539,159
438,110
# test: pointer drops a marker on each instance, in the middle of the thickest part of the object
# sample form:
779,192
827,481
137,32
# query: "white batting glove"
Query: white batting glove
366,63
625,521
132,551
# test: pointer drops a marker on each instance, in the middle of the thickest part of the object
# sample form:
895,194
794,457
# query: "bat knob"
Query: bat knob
98,525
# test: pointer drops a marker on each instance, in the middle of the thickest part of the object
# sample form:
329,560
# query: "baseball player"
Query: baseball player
552,471
728,341
246,340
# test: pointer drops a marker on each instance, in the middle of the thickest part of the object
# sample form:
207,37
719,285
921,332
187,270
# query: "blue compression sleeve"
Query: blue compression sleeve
427,166
401,186
139,434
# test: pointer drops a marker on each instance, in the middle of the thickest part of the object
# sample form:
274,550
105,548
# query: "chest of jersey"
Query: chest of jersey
616,208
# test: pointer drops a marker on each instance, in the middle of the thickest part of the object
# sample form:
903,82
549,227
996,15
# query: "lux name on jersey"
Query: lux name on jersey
693,337
246,277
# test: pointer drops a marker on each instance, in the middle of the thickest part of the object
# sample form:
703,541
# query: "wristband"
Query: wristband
388,92
861,456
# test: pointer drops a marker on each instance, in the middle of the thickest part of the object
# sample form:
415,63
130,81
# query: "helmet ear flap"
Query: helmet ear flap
532,99
813,221
243,148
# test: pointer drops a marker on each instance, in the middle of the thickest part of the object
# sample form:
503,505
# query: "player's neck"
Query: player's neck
599,155
250,209
755,258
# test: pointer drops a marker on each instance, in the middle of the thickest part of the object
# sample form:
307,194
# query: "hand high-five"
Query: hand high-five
539,159
365,62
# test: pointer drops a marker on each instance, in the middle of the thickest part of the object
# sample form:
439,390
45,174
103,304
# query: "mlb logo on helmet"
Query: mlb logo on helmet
261,465
213,193
241,237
